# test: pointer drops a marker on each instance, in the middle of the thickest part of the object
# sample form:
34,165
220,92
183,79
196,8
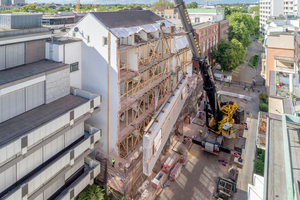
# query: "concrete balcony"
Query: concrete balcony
285,64
48,173
39,126
92,168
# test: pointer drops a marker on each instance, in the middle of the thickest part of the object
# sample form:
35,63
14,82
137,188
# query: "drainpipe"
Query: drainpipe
108,65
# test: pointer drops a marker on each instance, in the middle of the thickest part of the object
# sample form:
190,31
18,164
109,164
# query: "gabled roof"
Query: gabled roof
127,19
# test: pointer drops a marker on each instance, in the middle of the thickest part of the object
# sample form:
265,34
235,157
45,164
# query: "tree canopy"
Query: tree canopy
93,192
246,19
162,3
254,9
239,32
228,54
192,5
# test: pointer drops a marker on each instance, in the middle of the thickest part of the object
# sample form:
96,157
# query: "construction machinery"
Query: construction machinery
220,116
225,189
78,6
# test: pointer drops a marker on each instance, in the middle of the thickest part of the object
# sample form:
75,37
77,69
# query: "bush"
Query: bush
253,61
263,107
264,98
259,162
93,192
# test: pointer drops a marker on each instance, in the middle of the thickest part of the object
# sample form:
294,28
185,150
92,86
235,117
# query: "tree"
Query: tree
254,9
192,5
28,7
162,3
228,54
239,32
93,192
256,24
246,19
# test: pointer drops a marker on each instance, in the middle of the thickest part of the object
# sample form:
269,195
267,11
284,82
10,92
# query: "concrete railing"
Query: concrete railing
41,133
45,174
87,178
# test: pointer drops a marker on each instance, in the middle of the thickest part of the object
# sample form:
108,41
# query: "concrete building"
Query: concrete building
3,8
134,61
46,146
269,8
280,57
12,2
281,24
168,13
206,14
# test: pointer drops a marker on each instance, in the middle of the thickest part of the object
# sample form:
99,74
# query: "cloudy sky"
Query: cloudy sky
132,1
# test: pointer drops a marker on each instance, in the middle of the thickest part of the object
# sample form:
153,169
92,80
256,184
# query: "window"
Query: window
170,16
74,34
196,20
158,12
174,16
104,41
74,67
88,39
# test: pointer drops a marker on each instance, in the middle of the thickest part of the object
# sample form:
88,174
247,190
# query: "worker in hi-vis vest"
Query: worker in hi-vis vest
113,162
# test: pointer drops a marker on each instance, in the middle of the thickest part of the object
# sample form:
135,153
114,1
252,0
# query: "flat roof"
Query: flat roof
203,25
276,179
25,71
22,124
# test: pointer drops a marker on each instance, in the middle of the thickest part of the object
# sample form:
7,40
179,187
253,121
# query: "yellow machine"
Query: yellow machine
78,6
225,126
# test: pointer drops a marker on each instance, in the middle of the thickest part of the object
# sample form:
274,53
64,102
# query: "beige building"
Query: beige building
168,13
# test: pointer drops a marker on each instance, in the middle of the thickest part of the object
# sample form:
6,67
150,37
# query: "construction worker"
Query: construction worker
113,162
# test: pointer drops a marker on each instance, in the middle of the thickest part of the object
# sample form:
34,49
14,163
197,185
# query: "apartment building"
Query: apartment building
206,14
46,146
269,8
280,57
133,60
166,12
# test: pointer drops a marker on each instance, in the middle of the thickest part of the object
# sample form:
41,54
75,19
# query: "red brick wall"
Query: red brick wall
223,27
207,38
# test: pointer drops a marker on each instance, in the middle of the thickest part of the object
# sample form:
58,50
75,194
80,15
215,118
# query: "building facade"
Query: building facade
206,14
133,60
168,13
46,146
269,8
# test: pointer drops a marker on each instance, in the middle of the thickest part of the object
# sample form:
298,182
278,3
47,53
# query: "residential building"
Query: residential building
46,146
12,2
206,14
281,24
62,18
133,60
279,8
280,57
3,8
168,13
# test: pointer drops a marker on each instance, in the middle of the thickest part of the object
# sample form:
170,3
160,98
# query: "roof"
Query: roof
64,40
276,179
25,71
203,10
28,121
203,25
127,19
161,8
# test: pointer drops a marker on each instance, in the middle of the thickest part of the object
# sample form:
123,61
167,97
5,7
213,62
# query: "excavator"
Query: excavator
220,116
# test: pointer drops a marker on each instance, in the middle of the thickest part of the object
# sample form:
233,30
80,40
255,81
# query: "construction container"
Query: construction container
159,179
176,171
146,195
169,163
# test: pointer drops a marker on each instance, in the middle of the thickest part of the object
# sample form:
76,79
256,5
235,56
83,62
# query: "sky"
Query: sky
135,1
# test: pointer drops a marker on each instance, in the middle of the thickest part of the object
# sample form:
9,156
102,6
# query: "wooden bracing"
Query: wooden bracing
143,104
183,59
145,78
134,139
154,50
124,63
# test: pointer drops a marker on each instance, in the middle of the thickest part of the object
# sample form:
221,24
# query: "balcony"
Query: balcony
43,124
91,170
45,175
285,64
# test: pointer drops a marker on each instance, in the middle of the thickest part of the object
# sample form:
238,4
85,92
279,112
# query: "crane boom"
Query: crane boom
208,80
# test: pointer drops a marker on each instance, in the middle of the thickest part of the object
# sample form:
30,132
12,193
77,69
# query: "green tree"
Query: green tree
254,9
192,5
239,50
162,3
256,24
28,7
93,192
246,19
228,54
239,32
